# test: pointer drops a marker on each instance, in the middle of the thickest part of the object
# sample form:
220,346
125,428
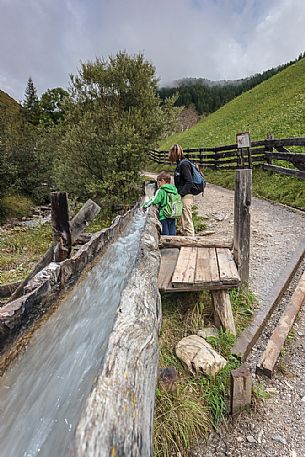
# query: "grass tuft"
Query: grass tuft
20,249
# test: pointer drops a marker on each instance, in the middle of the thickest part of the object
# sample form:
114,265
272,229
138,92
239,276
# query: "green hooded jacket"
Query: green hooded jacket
160,198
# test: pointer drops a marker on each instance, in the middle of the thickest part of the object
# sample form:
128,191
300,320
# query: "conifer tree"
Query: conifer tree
31,103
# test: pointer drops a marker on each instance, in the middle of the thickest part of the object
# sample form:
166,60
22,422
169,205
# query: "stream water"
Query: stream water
43,392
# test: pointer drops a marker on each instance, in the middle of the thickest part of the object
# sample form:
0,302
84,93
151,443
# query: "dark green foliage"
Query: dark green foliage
52,106
30,104
112,117
208,96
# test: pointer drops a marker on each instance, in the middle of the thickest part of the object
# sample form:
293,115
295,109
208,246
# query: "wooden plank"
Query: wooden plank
242,220
269,358
85,215
169,259
285,171
241,389
196,241
249,336
197,287
184,273
207,272
223,314
228,273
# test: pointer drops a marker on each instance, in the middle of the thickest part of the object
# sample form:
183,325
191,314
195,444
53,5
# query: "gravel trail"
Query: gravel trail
276,427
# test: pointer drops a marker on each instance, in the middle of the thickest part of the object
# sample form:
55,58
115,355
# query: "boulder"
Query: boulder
199,356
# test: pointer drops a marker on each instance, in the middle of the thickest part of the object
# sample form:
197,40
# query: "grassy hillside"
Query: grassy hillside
7,102
276,106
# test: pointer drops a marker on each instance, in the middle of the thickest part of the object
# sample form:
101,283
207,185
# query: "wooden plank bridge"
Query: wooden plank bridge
197,268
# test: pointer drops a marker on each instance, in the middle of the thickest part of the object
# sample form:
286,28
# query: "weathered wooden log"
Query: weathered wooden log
250,334
285,171
241,389
118,417
223,314
196,241
85,215
242,219
276,342
61,226
88,211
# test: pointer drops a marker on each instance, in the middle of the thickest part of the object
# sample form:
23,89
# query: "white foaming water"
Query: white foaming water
43,392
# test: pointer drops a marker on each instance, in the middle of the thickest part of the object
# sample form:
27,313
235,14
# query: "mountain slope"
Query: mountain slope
276,106
8,103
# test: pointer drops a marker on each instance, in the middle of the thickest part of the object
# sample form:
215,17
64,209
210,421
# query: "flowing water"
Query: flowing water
43,392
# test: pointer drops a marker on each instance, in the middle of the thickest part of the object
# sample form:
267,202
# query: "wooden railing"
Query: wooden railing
268,154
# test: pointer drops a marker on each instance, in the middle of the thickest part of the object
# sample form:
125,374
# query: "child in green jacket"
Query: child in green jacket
161,199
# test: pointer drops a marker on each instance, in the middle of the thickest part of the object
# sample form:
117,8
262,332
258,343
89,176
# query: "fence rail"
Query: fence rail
270,154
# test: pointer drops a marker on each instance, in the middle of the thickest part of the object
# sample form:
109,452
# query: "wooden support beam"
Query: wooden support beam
85,215
223,311
285,171
242,203
88,211
60,226
249,336
276,342
241,389
196,241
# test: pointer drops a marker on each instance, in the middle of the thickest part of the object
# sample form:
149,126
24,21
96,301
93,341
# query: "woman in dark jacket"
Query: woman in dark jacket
183,181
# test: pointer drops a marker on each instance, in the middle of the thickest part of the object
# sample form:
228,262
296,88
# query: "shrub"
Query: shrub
16,206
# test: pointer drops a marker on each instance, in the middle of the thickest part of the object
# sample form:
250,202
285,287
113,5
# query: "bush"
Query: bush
16,206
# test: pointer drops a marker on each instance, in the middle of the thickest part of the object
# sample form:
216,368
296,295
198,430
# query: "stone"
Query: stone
199,356
259,436
279,439
168,378
251,439
208,331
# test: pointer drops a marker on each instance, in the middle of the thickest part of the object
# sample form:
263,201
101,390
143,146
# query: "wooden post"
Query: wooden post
78,223
60,225
242,203
241,389
269,148
223,314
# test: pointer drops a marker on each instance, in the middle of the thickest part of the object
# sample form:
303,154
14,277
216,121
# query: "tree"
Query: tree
31,104
113,116
52,105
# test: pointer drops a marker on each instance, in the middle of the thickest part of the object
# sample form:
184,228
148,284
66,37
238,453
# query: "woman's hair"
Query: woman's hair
175,153
165,176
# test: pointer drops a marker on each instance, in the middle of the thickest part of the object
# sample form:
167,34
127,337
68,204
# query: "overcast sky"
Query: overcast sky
214,39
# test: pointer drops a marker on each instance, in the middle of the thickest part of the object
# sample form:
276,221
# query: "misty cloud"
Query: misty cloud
216,39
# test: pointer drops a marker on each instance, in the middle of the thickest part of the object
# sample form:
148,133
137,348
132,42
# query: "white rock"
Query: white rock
199,356
251,439
208,331
279,439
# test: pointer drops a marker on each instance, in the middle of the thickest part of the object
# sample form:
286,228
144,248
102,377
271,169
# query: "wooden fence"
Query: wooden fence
269,154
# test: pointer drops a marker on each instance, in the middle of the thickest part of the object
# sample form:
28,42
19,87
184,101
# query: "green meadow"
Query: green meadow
275,106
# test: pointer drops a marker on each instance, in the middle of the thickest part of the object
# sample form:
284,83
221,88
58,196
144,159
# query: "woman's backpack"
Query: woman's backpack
199,181
173,207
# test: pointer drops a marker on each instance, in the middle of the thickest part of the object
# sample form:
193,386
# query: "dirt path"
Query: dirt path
277,426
